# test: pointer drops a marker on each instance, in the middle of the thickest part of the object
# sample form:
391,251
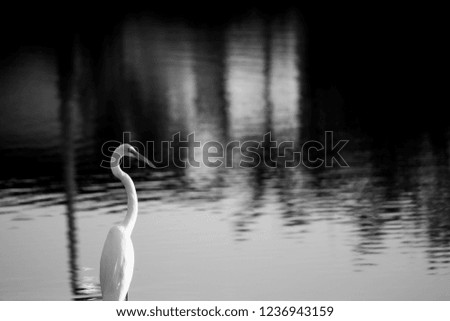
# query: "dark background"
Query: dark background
382,57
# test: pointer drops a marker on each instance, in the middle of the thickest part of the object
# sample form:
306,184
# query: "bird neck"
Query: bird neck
132,211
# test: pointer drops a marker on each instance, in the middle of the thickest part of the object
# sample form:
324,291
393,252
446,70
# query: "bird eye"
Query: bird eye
131,150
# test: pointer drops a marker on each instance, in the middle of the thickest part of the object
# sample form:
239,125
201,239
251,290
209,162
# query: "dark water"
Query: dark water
377,229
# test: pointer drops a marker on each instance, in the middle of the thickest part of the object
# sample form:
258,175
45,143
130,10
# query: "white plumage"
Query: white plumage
117,261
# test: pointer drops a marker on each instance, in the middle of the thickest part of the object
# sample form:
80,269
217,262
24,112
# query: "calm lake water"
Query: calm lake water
378,229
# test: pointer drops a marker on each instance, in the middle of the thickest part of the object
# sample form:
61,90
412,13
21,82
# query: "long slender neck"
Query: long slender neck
132,210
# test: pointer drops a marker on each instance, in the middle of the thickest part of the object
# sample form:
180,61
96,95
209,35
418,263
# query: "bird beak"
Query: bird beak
143,158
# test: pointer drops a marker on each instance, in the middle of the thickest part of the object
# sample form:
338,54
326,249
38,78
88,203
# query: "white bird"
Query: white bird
117,261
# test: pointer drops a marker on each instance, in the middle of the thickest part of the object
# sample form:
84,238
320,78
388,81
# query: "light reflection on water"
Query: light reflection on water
378,229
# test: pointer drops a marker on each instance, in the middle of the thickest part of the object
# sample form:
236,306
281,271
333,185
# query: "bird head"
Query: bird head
130,151
133,153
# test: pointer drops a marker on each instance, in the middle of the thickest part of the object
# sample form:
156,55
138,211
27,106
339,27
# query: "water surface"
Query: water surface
376,230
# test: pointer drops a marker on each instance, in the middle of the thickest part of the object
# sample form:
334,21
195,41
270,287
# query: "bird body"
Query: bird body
117,260
116,264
